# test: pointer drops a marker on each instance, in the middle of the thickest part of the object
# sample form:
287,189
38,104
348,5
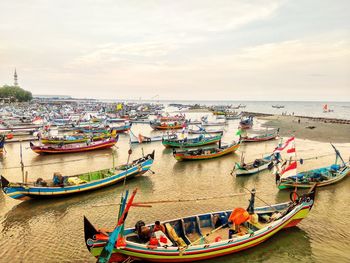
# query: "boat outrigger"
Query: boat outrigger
197,237
68,185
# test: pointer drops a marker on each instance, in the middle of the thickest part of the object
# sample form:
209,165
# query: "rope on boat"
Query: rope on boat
179,200
260,199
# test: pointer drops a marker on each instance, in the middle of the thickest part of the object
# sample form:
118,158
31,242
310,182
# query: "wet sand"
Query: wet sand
309,129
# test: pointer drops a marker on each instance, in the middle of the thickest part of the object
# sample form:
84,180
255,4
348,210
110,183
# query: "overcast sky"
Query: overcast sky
205,50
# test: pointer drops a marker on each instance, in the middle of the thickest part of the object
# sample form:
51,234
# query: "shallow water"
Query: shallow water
52,230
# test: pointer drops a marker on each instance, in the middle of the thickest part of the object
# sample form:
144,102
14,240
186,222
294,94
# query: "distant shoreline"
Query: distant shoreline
309,128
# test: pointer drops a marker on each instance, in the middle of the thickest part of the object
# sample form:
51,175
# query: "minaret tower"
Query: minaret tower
15,79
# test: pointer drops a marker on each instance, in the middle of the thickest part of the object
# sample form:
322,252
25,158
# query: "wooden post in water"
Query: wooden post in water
22,165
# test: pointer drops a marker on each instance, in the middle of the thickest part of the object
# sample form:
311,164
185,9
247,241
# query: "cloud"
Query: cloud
188,48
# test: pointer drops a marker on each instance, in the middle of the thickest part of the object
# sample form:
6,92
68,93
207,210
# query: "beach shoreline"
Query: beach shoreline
308,128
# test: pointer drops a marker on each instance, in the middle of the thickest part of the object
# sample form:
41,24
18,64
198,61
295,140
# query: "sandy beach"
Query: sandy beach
309,129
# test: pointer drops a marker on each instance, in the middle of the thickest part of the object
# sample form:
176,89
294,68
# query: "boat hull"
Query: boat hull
258,139
191,142
291,185
242,172
25,192
205,251
187,157
56,150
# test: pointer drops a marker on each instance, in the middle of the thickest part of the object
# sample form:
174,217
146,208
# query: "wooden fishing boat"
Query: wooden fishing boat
76,138
194,238
218,113
217,123
246,123
260,138
288,177
322,177
179,118
257,166
74,147
201,140
232,116
166,125
277,106
202,130
146,139
122,128
69,185
205,153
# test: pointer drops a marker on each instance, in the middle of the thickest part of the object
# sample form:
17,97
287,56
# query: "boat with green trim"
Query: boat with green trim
201,140
194,238
288,177
61,186
76,138
205,153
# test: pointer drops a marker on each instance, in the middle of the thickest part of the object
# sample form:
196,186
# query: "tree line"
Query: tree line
15,93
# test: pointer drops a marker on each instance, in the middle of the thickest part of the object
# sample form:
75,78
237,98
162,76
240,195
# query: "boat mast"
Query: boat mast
250,208
337,153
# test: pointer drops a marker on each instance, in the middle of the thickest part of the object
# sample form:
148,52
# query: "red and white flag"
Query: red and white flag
286,145
291,170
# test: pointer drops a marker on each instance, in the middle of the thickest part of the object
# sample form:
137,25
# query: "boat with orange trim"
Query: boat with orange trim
74,147
198,237
205,153
156,125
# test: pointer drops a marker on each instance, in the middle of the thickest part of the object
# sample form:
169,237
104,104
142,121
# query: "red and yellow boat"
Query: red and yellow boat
197,237
74,147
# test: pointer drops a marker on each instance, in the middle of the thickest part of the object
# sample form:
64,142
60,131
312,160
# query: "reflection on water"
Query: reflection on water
52,230
288,245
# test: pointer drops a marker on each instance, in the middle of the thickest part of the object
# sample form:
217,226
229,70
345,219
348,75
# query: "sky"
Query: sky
184,49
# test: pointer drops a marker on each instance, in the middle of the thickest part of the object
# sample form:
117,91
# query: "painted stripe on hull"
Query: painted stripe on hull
20,192
180,156
218,250
104,146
